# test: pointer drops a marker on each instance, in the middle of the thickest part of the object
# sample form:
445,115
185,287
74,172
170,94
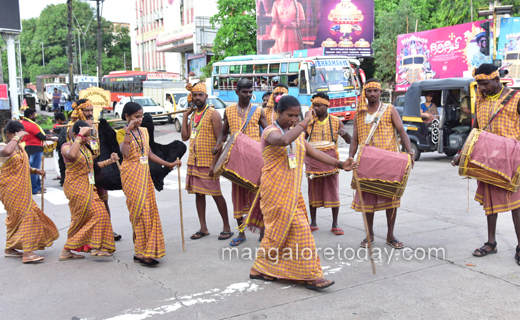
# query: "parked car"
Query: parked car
149,107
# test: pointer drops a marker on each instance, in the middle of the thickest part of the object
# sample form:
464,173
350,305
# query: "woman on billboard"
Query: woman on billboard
288,19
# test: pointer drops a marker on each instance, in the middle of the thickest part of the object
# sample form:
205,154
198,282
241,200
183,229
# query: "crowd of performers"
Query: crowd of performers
277,210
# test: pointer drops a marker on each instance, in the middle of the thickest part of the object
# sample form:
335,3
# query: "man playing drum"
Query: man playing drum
491,96
383,138
324,191
248,118
202,131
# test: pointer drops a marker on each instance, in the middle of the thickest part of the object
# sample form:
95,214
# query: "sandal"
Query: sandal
117,237
314,228
197,235
483,252
150,264
337,231
395,244
314,284
33,258
262,277
517,255
70,256
224,235
364,243
237,241
100,254
15,254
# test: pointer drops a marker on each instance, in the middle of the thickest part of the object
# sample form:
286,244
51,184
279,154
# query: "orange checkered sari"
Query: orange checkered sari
140,200
90,227
287,250
28,228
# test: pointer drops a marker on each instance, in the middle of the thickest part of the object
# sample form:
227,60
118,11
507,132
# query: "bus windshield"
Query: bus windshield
335,78
86,85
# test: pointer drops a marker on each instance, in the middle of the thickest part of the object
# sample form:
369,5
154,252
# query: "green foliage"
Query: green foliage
51,29
236,20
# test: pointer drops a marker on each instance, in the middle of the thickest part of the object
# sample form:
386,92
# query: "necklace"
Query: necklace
241,111
370,117
495,96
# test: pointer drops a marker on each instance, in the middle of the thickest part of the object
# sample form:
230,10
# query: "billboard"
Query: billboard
448,52
340,27
509,47
10,20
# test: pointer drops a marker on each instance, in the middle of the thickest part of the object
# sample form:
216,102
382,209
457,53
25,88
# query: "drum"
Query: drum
241,162
49,146
316,169
492,159
383,172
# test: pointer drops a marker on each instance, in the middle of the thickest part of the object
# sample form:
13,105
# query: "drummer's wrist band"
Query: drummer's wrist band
304,126
340,164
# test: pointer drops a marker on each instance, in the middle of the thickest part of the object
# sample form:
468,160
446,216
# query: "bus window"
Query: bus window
261,68
274,68
283,69
222,84
215,83
273,81
224,69
294,67
283,79
140,87
234,69
407,61
261,84
233,83
215,70
512,56
123,88
303,82
131,87
247,68
293,80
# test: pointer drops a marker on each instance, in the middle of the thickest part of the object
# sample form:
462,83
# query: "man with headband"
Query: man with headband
202,131
324,191
270,112
368,111
83,110
498,111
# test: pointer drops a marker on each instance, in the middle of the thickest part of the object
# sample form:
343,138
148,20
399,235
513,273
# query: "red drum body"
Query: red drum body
316,169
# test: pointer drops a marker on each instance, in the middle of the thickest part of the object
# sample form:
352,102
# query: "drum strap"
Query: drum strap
331,131
376,123
503,104
249,116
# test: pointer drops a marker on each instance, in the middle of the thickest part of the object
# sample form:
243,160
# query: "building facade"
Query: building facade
173,35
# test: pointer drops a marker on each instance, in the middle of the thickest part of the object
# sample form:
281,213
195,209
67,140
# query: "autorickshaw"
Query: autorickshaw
445,132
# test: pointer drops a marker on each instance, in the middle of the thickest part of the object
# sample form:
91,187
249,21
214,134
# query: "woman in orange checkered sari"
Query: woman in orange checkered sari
138,187
287,250
90,229
28,228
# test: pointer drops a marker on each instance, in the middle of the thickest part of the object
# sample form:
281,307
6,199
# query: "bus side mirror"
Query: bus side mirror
313,71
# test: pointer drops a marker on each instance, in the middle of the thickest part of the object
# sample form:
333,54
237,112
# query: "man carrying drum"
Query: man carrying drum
247,118
202,131
385,138
498,112
324,191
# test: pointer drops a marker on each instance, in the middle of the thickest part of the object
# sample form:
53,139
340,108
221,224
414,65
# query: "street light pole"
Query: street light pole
43,52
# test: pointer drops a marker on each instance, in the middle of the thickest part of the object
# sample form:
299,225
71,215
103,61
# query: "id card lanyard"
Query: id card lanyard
90,174
142,159
94,144
291,154
195,127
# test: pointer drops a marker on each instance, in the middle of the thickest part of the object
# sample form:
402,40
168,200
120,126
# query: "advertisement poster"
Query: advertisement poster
509,47
449,52
340,27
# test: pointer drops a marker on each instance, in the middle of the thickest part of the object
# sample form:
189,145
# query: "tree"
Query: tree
236,35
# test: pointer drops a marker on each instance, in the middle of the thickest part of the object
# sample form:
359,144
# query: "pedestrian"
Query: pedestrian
265,99
491,96
202,131
27,227
384,138
83,110
287,250
34,146
60,120
90,229
270,111
138,186
56,99
324,191
248,118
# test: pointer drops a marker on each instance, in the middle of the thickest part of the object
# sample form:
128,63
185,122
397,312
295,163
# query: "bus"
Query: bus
337,76
130,83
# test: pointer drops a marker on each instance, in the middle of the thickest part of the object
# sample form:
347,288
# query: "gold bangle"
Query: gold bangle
16,138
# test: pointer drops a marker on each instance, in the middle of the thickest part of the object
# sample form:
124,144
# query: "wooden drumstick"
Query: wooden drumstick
180,204
369,238
43,166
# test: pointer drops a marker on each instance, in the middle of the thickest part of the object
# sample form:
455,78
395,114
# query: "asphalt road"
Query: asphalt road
437,277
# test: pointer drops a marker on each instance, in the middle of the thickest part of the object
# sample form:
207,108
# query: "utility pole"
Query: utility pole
69,44
79,43
100,70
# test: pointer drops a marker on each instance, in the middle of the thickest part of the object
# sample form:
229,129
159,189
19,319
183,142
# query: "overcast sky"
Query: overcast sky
113,10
